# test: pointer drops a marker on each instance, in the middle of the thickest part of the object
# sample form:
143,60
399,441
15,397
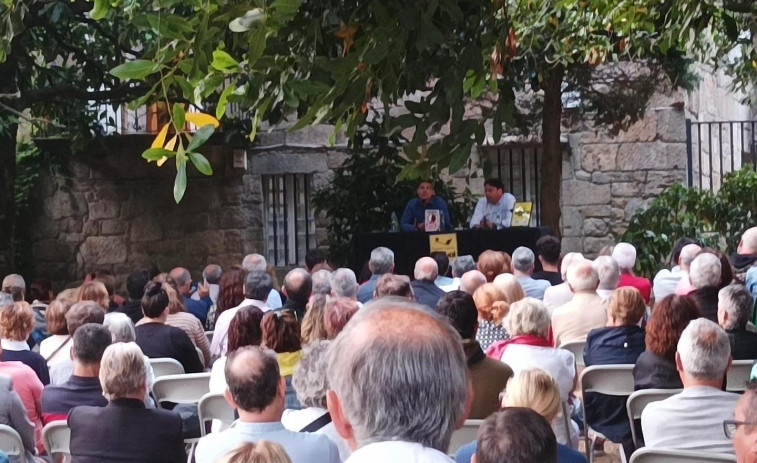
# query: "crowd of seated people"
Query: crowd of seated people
327,368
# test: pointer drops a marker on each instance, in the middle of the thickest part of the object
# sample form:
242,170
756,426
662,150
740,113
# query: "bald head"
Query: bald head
383,380
748,244
688,253
426,269
182,278
298,285
212,273
252,375
470,281
583,277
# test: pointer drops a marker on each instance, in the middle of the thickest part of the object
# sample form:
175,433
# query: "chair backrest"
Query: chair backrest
464,435
577,348
10,441
674,456
56,435
202,357
209,335
213,406
639,400
614,380
181,389
166,366
738,375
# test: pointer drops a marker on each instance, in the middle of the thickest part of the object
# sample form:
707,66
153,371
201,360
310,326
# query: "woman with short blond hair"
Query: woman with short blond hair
493,263
262,451
16,324
94,291
492,309
125,430
55,348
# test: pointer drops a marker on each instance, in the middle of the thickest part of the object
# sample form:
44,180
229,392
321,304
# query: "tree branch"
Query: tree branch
62,91
96,25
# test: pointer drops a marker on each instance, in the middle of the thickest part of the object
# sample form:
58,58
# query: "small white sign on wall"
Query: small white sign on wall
240,159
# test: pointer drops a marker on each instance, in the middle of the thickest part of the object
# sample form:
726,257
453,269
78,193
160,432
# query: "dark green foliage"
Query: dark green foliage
717,220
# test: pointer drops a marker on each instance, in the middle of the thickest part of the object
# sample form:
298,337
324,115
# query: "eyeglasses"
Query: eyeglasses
730,426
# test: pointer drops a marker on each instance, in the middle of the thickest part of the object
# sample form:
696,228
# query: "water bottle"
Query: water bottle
395,226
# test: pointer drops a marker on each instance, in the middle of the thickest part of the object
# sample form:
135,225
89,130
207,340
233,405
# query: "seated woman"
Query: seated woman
16,325
13,414
179,317
656,367
122,330
124,430
535,389
620,342
244,330
313,326
492,309
281,334
493,263
57,347
310,383
528,347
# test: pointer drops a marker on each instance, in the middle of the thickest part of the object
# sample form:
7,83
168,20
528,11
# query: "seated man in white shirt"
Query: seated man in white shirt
586,311
691,420
495,209
523,267
256,390
257,263
394,397
557,295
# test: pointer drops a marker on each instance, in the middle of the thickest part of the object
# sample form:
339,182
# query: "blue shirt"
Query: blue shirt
365,291
565,454
198,308
415,212
302,447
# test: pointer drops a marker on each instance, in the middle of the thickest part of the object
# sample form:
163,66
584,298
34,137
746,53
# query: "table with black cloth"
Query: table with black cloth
408,247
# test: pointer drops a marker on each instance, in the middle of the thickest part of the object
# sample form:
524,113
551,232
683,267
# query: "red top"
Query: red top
642,284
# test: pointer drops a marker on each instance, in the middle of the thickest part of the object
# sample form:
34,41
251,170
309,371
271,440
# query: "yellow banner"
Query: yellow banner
446,243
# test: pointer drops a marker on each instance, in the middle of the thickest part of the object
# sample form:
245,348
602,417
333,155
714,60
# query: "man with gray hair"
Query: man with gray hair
395,397
735,309
14,285
690,420
459,266
212,275
257,286
586,311
425,290
523,268
322,282
199,308
344,283
688,254
298,285
471,281
257,263
557,295
608,273
381,262
625,255
705,278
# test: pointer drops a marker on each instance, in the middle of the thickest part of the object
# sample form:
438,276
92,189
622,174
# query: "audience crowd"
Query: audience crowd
326,368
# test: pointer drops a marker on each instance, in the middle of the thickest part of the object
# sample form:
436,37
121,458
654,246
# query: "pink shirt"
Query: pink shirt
684,287
29,388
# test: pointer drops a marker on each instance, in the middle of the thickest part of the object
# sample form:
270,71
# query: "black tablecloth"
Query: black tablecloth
408,247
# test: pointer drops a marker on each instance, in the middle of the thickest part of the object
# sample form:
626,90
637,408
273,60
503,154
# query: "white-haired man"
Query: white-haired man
381,262
688,254
705,278
608,273
14,285
523,268
460,266
586,311
625,255
344,283
691,419
257,263
425,290
744,261
735,308
471,281
557,295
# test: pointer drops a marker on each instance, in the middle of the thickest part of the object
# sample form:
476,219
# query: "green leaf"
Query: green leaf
135,70
223,62
178,117
180,184
223,101
248,21
155,154
201,163
284,10
459,158
100,9
200,137
256,45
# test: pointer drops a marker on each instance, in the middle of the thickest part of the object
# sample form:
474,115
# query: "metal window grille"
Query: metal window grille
517,165
289,218
714,149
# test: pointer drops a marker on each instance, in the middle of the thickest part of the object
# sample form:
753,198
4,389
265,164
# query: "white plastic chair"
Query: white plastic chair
577,348
202,357
209,335
738,375
56,436
616,380
639,400
676,456
181,389
213,406
166,366
10,441
464,435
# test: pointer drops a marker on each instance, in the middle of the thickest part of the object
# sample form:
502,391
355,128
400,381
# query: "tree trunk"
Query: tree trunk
551,161
7,172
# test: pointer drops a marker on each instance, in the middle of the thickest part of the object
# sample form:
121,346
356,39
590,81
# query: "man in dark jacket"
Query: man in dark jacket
426,291
735,307
298,285
488,376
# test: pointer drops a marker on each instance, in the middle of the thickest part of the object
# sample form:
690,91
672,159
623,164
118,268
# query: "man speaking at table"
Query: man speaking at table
495,210
414,217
